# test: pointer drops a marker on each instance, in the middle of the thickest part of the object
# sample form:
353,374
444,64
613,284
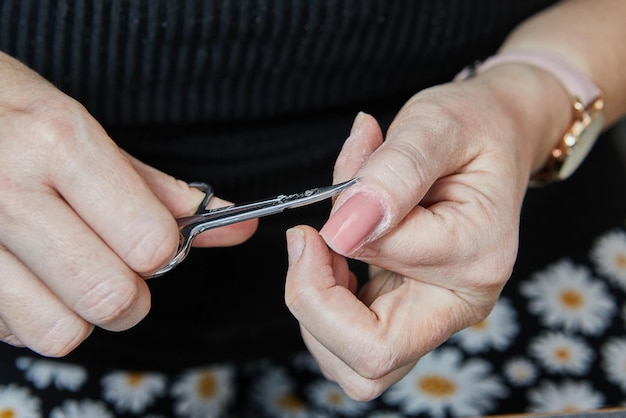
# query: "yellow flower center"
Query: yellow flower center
436,386
480,326
571,299
7,413
621,261
207,386
334,398
290,402
562,354
134,379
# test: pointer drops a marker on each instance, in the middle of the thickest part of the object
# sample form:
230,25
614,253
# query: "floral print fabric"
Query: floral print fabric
574,360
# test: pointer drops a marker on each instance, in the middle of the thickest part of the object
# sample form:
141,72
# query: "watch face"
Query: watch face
581,146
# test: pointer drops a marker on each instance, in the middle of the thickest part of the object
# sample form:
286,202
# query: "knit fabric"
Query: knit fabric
174,61
256,97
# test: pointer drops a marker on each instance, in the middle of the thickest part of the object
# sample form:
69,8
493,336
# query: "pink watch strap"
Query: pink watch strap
574,81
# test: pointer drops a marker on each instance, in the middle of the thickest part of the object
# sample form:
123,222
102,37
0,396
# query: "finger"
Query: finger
365,137
183,200
397,327
349,227
6,335
394,179
356,386
346,230
32,315
74,263
123,211
62,148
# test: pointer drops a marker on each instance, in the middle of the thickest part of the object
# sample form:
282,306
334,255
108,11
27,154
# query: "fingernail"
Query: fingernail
357,121
352,223
357,125
295,244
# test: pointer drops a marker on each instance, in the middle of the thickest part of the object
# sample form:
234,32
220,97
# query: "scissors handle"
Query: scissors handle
204,219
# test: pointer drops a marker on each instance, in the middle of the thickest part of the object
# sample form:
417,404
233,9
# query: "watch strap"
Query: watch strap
577,84
587,102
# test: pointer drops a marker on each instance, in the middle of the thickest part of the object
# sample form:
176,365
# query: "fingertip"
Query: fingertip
365,137
366,124
156,243
306,239
295,244
246,229
227,236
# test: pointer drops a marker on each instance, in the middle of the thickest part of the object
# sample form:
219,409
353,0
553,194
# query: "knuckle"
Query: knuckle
8,337
292,295
111,303
295,298
364,390
154,247
61,336
50,129
376,362
58,125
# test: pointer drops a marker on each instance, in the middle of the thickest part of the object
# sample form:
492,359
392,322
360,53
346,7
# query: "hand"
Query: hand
436,211
80,221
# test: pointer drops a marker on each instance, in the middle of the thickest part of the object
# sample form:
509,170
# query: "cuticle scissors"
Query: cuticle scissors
204,219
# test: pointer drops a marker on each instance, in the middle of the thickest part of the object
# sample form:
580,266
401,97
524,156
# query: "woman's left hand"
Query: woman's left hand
436,209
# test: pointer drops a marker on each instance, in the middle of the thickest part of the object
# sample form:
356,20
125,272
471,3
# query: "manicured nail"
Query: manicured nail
352,223
295,244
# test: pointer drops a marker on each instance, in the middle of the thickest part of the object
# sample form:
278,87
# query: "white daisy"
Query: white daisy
520,371
204,393
566,295
441,381
330,397
81,409
42,373
560,353
132,391
609,256
567,397
306,362
18,402
614,361
385,414
497,331
275,393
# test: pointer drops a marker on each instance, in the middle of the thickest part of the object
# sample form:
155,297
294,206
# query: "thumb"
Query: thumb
394,177
182,200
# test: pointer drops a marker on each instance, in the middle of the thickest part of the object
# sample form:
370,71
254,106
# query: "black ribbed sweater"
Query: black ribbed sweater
254,96
169,61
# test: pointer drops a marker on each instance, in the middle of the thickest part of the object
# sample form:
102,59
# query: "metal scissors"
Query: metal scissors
204,219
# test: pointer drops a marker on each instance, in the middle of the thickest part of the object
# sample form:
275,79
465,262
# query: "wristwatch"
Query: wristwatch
587,105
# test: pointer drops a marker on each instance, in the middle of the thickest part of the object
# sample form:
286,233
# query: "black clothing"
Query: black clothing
256,98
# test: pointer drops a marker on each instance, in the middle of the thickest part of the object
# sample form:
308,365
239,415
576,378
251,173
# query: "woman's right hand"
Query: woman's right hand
80,221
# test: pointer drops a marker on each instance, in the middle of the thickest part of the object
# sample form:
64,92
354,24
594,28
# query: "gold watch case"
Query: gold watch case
575,144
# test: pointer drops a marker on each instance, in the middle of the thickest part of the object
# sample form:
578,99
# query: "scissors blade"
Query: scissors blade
215,218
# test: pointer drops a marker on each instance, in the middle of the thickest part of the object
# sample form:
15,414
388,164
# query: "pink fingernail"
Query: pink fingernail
352,223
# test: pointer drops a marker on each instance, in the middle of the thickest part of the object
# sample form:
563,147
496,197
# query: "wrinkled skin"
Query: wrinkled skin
80,220
436,210
448,182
